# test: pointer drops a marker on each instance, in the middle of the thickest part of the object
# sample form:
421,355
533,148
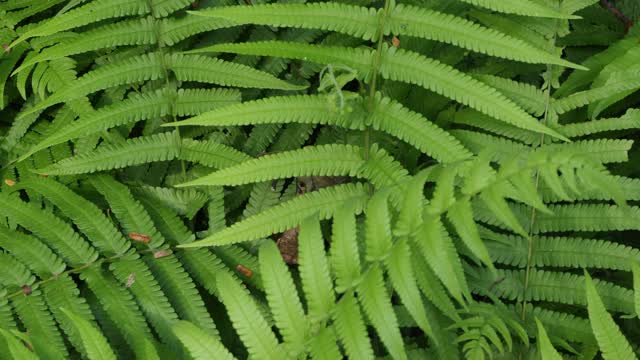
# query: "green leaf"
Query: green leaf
545,347
283,299
17,350
95,345
612,342
635,267
323,204
351,328
377,305
461,216
253,329
314,271
201,345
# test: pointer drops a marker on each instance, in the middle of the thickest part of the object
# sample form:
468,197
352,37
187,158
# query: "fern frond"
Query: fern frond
130,213
314,271
545,347
215,71
324,345
345,258
92,12
635,268
62,292
377,305
122,310
95,344
622,82
405,66
17,350
181,292
85,215
283,299
186,202
201,345
30,250
525,7
173,30
131,70
324,160
45,337
125,33
159,147
57,233
611,340
323,204
630,120
527,96
392,118
461,216
559,287
563,325
404,282
211,154
561,252
402,20
307,109
246,318
378,237
351,328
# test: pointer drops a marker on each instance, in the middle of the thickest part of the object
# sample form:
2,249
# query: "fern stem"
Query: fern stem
374,74
545,119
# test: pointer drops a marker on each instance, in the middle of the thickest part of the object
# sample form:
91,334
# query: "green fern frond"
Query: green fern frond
348,19
186,202
525,7
173,30
122,310
562,325
376,303
351,328
30,250
561,252
246,318
622,82
314,271
95,345
57,233
85,215
126,33
527,96
630,120
135,69
405,66
378,237
402,20
215,71
323,204
211,154
404,282
345,258
559,287
324,160
16,348
635,268
92,12
201,345
159,147
130,213
392,118
611,340
308,109
283,299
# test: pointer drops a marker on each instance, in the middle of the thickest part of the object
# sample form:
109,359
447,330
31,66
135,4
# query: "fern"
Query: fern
339,180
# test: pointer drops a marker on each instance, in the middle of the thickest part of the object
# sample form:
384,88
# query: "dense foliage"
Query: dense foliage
390,179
